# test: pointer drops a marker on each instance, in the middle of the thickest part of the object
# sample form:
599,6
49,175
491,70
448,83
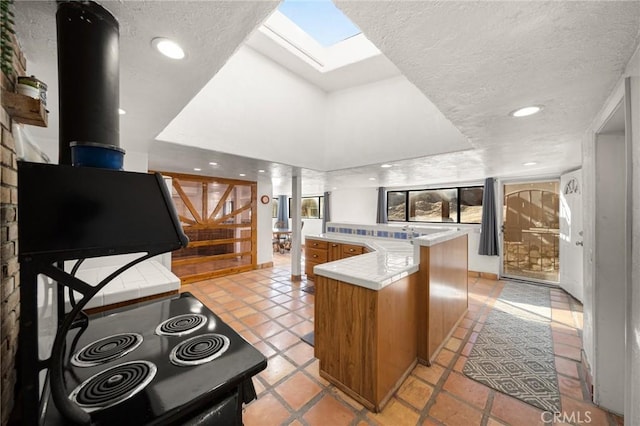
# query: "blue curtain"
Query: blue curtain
489,229
283,212
381,217
326,212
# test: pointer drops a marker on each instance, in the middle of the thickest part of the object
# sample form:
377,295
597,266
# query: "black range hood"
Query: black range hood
80,212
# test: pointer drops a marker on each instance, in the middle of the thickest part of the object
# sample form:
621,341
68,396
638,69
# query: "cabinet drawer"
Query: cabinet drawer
314,255
316,244
350,249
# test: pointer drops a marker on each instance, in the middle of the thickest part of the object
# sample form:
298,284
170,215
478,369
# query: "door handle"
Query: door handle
579,243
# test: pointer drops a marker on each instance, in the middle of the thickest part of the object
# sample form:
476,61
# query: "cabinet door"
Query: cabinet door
308,270
316,244
335,252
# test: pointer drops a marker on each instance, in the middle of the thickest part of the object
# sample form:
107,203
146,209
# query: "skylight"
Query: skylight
321,19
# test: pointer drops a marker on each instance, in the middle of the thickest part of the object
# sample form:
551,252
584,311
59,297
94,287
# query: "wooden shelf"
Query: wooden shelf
24,109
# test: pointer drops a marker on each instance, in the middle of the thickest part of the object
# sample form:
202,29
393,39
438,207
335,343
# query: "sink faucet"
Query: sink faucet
410,230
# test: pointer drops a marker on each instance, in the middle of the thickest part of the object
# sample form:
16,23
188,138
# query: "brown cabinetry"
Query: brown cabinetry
349,250
318,251
365,339
335,252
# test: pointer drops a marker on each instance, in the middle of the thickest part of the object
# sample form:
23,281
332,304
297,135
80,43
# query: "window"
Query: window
274,208
396,205
442,205
471,204
320,19
311,207
439,205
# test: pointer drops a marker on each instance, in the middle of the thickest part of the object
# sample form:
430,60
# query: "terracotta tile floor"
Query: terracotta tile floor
271,312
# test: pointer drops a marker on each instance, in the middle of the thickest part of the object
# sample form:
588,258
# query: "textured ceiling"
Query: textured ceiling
476,61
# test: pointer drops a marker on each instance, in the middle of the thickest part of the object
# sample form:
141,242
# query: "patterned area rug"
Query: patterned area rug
513,353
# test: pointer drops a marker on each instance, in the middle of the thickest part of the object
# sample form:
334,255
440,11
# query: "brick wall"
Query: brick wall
10,281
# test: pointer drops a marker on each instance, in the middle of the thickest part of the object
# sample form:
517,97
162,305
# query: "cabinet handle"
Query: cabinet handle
334,245
352,249
315,255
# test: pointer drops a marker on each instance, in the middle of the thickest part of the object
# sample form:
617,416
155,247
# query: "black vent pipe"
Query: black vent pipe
88,76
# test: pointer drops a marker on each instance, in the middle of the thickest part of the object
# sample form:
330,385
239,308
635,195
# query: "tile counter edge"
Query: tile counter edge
399,257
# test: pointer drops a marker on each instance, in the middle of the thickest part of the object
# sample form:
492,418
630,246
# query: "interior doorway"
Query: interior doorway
218,215
531,230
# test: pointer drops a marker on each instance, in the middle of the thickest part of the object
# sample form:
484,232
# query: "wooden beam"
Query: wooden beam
197,178
205,199
188,279
233,213
186,220
185,199
203,259
254,225
221,202
206,243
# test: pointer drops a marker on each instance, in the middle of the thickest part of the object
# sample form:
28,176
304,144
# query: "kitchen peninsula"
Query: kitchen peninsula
378,313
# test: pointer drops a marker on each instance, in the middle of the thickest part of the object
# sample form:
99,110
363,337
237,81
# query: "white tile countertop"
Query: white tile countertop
389,259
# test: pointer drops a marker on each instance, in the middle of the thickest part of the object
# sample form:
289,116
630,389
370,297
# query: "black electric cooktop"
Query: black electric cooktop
157,363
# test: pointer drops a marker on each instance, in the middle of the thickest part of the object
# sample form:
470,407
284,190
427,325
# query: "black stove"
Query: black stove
164,362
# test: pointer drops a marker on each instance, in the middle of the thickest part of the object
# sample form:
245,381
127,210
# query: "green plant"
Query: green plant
6,33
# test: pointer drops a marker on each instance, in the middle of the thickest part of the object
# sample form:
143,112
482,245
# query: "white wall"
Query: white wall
591,302
479,263
265,249
610,272
632,407
354,205
367,118
136,161
259,108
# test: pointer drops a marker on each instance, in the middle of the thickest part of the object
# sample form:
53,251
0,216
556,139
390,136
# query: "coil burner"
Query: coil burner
181,325
113,386
106,349
199,349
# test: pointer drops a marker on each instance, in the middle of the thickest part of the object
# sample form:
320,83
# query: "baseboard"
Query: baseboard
264,265
346,389
485,275
296,278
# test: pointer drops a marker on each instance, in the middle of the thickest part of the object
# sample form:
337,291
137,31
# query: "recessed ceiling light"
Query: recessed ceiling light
530,163
526,111
334,188
121,111
168,48
386,166
260,171
242,174
196,169
212,163
372,178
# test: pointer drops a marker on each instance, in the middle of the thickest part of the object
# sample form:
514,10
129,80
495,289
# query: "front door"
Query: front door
571,233
530,231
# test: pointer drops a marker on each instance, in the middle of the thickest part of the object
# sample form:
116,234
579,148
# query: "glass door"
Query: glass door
530,231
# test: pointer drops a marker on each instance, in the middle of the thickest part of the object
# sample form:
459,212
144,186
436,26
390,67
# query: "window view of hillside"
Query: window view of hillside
436,205
439,205
396,205
471,204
